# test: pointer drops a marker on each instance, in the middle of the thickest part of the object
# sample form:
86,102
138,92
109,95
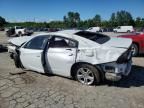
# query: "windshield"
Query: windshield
19,27
96,37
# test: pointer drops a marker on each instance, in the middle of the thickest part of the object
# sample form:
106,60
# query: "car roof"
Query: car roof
68,31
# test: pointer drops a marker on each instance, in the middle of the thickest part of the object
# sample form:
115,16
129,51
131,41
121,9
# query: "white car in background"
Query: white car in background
88,57
127,29
94,29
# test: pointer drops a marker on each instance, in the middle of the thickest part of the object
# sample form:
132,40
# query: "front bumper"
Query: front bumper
114,71
11,50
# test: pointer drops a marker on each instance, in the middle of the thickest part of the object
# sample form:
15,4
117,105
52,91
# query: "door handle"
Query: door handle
69,49
70,54
37,56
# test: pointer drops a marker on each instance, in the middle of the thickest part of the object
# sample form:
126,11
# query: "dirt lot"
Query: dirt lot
33,90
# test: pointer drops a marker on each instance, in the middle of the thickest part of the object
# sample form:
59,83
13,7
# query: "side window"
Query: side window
119,27
90,28
37,43
60,42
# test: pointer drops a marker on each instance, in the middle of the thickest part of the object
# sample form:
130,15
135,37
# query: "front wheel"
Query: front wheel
115,31
19,34
134,50
128,31
87,74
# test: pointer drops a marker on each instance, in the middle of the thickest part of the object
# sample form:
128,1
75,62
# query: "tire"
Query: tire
128,31
8,34
16,60
19,34
135,50
87,74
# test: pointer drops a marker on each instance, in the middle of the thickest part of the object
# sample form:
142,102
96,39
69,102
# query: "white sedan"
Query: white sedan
88,57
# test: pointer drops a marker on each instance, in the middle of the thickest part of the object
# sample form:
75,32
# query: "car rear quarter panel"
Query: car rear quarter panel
137,39
140,41
99,55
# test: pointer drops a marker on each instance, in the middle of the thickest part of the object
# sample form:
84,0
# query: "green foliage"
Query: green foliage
56,24
139,22
2,21
72,20
121,18
97,20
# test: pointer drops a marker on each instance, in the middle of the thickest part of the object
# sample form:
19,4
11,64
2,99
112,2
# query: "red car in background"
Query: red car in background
138,43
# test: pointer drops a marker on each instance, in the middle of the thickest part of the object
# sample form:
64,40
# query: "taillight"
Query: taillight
125,57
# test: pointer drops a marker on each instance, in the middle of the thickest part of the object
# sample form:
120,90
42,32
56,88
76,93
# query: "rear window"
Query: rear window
19,27
96,37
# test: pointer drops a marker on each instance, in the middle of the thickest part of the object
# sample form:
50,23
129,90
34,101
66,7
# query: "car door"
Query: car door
31,53
142,41
61,55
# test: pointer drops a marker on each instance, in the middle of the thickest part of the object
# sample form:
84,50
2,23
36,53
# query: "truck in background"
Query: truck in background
94,29
127,29
18,31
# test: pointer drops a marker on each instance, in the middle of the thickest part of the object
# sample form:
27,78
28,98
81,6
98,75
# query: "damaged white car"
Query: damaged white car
87,57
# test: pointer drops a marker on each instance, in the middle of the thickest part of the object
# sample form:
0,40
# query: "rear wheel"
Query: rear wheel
134,50
87,74
16,60
19,34
128,31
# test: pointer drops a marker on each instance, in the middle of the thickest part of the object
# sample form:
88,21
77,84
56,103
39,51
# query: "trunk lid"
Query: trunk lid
118,42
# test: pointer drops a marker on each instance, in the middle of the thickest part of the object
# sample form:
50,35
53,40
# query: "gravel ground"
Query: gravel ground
29,89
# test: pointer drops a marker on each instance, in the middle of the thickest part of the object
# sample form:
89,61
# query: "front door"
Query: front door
31,53
61,55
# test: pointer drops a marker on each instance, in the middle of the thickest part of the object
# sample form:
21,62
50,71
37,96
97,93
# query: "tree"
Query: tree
56,24
72,19
106,24
142,22
124,18
138,22
97,20
112,21
2,21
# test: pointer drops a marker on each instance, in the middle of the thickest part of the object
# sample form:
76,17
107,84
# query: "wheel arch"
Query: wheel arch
136,43
75,65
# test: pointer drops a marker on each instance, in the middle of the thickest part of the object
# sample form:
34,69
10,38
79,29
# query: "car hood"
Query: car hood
20,40
118,42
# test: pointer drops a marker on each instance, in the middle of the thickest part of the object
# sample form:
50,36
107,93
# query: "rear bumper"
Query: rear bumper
114,71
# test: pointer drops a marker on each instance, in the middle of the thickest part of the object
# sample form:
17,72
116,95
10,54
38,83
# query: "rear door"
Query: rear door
61,55
31,53
142,41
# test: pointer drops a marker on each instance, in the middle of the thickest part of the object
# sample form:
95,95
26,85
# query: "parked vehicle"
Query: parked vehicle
88,57
138,43
94,29
107,30
2,29
124,29
18,31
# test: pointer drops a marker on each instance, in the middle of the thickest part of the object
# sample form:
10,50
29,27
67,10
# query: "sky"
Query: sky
48,10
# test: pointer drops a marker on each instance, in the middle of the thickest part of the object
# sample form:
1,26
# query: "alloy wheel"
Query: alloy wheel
85,76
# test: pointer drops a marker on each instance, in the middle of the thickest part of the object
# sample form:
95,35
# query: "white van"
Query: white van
124,29
94,29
